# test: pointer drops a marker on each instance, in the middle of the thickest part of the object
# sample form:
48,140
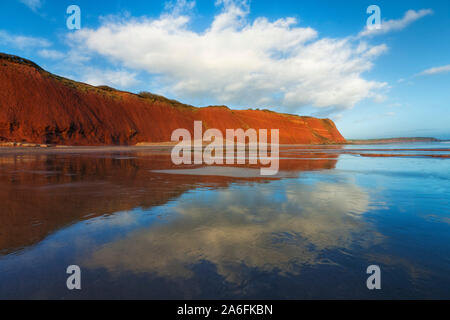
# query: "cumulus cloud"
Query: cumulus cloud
436,70
22,42
32,4
237,61
396,25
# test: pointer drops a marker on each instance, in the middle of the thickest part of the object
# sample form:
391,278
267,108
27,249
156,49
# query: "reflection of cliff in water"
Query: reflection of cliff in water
42,193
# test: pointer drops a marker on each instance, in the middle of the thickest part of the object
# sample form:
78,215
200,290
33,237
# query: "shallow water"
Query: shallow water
140,229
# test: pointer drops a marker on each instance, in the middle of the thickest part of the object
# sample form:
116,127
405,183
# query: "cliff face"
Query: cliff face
39,107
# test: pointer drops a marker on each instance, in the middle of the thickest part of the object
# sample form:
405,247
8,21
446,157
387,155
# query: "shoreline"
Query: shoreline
166,148
26,145
349,142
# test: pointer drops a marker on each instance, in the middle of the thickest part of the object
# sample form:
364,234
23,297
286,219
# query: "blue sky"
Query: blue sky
304,57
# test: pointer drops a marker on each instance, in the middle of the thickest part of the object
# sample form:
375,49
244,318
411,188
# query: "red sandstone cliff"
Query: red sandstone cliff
39,107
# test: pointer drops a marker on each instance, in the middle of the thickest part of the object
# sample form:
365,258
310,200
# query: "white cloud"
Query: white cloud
436,70
395,25
22,42
179,7
239,62
114,78
32,4
76,58
51,54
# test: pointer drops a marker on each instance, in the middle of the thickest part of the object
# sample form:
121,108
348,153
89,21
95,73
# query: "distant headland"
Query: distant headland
392,140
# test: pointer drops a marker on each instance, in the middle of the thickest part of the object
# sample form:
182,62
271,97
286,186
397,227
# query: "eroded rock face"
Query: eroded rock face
39,107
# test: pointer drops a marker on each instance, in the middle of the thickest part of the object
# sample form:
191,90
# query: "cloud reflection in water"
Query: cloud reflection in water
273,227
